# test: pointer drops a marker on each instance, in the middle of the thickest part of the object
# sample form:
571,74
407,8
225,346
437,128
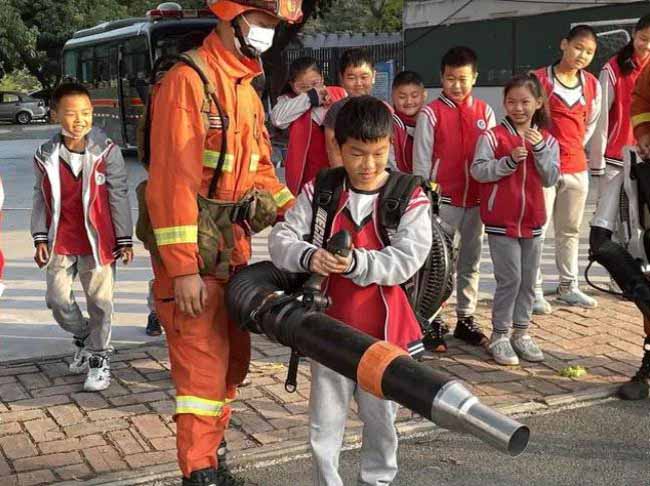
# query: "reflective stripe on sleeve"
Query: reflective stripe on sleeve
255,159
198,406
176,234
282,197
211,159
640,118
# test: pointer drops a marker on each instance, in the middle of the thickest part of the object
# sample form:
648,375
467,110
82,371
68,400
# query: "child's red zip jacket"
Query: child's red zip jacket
443,146
403,130
512,198
572,126
306,152
614,129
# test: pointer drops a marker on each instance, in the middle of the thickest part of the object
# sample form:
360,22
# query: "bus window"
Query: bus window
174,43
70,63
87,75
135,58
102,62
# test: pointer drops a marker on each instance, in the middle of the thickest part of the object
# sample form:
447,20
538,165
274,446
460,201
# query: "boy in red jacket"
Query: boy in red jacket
408,97
446,132
81,223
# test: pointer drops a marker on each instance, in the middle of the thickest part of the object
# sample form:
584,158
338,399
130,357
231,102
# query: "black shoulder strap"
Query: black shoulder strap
193,60
327,192
394,199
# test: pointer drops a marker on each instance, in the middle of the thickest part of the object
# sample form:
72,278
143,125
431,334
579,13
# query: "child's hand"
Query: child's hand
324,96
533,136
42,255
126,254
324,263
519,154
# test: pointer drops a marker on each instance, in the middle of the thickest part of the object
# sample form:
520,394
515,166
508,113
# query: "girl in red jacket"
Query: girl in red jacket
302,109
574,101
617,80
514,162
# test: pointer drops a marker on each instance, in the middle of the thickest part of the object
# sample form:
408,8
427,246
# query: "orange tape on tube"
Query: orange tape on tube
373,364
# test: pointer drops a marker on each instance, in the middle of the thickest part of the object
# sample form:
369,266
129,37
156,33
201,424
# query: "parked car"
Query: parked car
21,108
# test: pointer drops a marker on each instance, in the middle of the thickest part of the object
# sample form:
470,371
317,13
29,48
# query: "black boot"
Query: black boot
212,477
222,456
203,477
434,336
638,387
469,331
153,325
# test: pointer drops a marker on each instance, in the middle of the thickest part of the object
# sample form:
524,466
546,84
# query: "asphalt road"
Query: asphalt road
568,448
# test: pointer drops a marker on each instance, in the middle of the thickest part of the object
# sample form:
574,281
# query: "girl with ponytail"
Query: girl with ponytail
614,129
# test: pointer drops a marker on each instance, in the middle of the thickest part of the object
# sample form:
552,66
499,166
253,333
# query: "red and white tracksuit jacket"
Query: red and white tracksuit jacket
443,146
403,131
512,198
107,213
572,126
368,297
306,153
614,129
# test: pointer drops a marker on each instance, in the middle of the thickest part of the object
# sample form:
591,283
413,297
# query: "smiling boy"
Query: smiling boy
81,223
446,133
364,287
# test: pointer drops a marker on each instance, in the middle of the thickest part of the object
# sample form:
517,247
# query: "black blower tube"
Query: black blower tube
259,300
623,268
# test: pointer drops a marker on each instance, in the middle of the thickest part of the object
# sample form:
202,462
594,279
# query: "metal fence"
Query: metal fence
328,57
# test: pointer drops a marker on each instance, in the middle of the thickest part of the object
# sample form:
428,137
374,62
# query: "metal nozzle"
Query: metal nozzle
456,408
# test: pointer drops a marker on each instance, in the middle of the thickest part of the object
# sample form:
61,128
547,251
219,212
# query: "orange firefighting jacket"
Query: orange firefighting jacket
184,155
640,110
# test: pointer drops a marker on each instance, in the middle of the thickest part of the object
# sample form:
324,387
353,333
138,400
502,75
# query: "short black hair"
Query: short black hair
406,78
68,88
459,56
364,118
355,57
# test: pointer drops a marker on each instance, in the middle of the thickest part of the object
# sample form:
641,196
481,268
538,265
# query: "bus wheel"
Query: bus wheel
23,118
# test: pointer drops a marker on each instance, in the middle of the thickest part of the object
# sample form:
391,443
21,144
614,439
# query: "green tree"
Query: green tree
32,32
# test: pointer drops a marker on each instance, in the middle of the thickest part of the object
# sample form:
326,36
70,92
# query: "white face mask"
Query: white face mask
73,136
259,38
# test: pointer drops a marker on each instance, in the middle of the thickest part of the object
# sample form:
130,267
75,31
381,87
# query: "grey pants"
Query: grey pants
329,402
516,262
565,205
467,223
97,283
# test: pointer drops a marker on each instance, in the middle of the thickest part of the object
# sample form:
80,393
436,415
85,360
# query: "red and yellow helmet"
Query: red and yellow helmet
287,10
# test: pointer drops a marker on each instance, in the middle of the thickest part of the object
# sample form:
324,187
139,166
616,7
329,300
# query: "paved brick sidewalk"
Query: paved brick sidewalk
51,431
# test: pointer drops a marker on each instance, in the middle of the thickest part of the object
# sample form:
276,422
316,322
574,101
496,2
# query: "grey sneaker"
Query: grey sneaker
541,306
526,348
502,351
79,363
572,295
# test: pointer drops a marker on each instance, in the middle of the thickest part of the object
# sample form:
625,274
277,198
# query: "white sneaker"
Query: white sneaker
526,348
502,351
572,295
79,362
541,306
2,288
99,373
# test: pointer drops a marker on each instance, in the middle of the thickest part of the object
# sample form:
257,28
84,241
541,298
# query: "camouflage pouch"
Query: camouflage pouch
263,211
143,228
216,238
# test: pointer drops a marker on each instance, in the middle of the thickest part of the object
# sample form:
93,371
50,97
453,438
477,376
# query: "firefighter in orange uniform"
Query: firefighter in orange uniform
209,355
